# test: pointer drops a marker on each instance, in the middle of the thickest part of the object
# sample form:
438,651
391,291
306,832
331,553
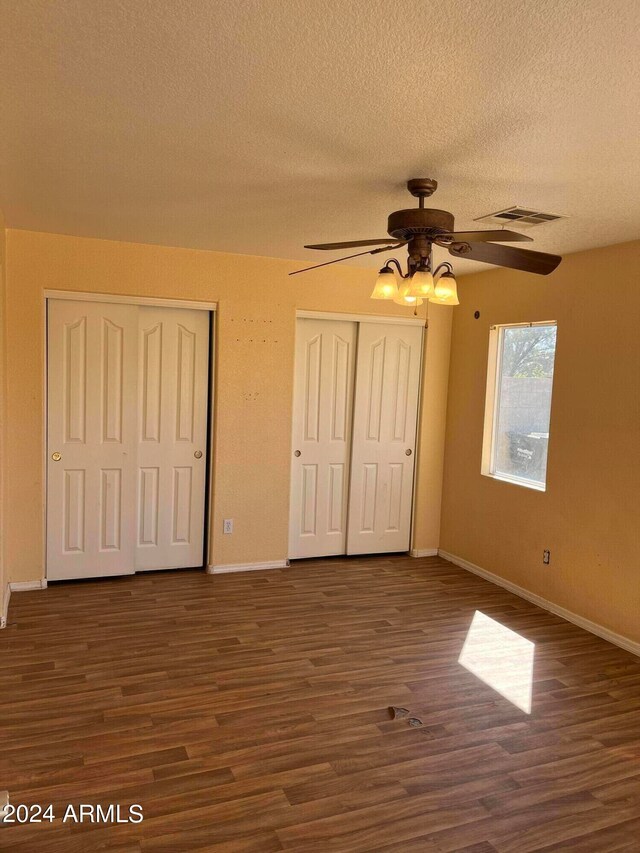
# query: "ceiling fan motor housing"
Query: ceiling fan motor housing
429,222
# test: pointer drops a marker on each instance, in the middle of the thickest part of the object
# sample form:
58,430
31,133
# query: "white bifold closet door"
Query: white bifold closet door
173,383
91,473
354,429
127,421
384,438
323,389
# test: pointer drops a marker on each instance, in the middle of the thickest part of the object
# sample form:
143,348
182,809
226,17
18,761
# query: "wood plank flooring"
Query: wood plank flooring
248,713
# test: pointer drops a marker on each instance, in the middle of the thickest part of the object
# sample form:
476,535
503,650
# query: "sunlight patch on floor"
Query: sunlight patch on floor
500,658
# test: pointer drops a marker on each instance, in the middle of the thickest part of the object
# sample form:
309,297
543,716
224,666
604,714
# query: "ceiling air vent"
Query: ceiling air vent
525,217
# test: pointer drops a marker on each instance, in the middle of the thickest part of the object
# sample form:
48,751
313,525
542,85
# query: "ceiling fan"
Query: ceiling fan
421,228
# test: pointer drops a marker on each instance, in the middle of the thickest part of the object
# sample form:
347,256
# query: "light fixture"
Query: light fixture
417,284
421,284
446,290
405,297
385,286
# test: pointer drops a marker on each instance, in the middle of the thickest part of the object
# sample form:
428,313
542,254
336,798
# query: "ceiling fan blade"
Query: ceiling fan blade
502,236
347,257
353,243
506,256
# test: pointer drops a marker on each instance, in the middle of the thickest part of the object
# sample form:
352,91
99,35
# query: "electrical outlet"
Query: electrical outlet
227,525
546,557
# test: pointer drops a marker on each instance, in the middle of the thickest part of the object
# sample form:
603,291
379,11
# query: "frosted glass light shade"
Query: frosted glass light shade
404,297
421,284
385,286
446,291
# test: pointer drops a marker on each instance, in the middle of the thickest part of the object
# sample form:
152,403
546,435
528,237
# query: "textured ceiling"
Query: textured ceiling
257,126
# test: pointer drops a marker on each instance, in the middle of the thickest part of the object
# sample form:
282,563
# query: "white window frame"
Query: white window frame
494,366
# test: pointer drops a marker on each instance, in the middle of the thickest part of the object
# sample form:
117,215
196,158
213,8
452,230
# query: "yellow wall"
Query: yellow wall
2,405
589,517
254,378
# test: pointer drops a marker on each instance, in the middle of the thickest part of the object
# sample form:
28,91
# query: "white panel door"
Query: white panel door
91,442
322,409
384,438
172,437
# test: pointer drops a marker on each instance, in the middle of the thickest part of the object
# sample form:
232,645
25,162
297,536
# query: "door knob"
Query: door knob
297,453
408,451
198,454
56,456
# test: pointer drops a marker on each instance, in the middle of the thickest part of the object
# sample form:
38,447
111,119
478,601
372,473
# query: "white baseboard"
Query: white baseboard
23,586
424,552
5,614
246,567
593,627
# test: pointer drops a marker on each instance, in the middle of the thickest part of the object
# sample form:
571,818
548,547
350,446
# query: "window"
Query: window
518,403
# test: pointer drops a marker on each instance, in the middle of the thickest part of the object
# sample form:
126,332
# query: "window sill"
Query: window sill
517,481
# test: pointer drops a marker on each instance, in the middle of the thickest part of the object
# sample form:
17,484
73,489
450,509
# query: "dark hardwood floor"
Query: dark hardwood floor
249,712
